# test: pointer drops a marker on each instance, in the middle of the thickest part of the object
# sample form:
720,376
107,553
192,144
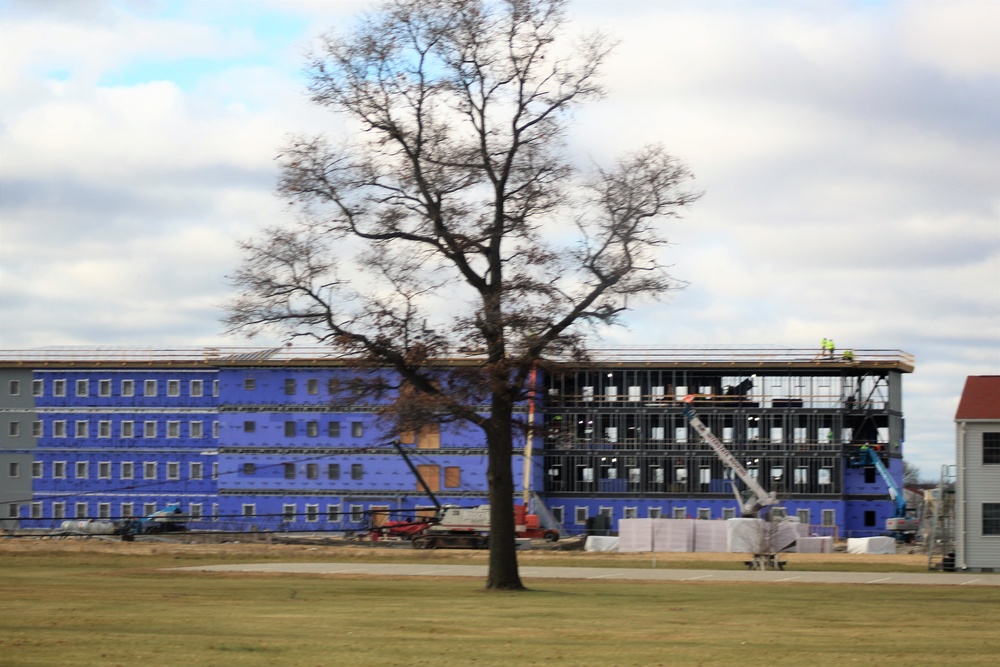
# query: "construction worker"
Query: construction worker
829,346
822,347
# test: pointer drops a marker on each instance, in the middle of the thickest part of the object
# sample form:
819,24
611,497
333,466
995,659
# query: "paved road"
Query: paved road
617,574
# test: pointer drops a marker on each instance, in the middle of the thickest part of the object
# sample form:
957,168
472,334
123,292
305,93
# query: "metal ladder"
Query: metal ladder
941,536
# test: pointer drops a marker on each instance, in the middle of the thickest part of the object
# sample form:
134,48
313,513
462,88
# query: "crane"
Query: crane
760,498
457,527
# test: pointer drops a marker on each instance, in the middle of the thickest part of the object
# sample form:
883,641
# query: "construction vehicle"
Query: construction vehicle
401,529
758,498
459,527
900,524
456,527
167,520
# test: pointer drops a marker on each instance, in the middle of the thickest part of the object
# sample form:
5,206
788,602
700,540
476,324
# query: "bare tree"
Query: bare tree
450,220
911,473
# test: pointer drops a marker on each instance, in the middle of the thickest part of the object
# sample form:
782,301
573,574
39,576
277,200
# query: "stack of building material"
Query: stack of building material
635,535
665,535
686,535
710,536
815,545
673,535
871,545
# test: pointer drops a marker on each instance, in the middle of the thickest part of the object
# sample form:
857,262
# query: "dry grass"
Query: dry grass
107,603
263,551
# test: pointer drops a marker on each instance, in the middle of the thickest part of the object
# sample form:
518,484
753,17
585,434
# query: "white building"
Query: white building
977,501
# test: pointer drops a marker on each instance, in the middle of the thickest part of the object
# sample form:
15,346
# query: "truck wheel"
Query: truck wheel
552,536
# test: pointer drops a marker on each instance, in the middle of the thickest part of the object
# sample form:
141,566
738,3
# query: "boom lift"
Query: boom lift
760,498
167,520
900,523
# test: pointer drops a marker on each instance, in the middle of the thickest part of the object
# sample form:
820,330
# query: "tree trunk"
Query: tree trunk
503,573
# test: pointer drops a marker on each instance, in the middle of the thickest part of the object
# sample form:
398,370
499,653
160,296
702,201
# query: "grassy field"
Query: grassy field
92,603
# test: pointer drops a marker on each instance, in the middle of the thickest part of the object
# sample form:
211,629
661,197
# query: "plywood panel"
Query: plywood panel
379,514
426,512
431,474
429,437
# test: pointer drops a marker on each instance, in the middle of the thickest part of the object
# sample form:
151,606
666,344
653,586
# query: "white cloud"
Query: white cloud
960,37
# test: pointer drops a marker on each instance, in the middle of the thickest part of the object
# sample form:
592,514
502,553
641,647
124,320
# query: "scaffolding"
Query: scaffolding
939,514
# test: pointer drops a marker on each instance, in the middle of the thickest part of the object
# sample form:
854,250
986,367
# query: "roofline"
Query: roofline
713,358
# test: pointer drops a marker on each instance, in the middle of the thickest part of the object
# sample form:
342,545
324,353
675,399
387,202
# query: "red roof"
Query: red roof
980,398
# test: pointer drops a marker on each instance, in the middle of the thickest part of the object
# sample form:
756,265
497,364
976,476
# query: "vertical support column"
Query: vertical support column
529,440
895,411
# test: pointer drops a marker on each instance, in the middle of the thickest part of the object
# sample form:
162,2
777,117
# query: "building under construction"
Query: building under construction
266,439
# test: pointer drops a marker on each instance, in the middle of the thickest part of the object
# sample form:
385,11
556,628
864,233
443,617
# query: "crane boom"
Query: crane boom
899,522
870,456
761,497
416,473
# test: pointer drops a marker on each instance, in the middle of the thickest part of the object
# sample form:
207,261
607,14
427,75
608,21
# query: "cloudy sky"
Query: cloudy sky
849,152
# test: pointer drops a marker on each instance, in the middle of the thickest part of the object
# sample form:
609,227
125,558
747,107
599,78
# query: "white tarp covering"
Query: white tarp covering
673,535
710,536
815,545
759,536
687,535
635,535
744,535
785,533
871,545
600,543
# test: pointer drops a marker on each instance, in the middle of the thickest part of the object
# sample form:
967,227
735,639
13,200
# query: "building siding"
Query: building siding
254,432
17,443
978,483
